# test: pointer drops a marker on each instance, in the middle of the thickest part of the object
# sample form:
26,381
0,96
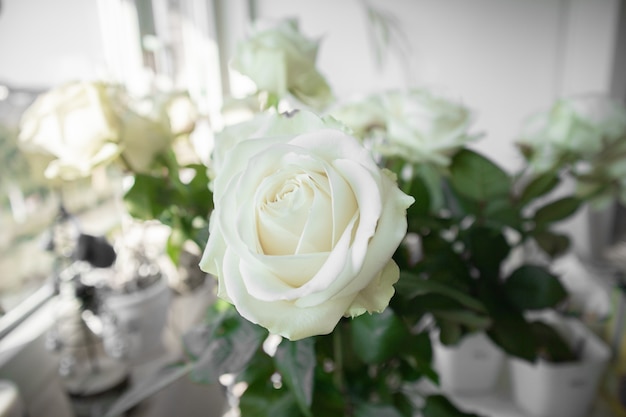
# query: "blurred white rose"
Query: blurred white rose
361,115
143,140
280,60
587,135
303,231
70,130
574,128
175,108
423,126
78,126
418,125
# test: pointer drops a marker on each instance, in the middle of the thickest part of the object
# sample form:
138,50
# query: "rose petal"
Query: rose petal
376,296
281,317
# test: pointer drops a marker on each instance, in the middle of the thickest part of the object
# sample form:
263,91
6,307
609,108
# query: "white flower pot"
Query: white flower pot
471,367
546,389
139,320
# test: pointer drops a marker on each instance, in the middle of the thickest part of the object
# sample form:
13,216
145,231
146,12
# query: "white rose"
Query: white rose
71,129
143,138
422,126
574,128
81,125
362,116
175,109
145,131
303,232
280,60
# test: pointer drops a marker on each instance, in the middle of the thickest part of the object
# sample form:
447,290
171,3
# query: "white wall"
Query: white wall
44,43
503,58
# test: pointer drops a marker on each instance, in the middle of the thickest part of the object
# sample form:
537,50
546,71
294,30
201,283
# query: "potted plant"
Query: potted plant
564,381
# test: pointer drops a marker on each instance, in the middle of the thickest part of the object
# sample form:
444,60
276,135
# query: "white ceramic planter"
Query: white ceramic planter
546,389
471,367
140,318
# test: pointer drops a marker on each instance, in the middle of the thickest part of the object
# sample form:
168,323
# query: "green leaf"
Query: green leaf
556,211
229,348
435,302
377,337
440,406
421,206
419,347
532,287
488,249
538,187
509,329
478,178
199,195
500,212
296,363
450,333
147,199
260,367
441,263
403,403
174,245
554,244
432,180
552,346
412,285
465,318
261,399
376,410
327,399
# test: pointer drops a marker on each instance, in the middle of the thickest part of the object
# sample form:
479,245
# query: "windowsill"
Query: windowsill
12,319
25,361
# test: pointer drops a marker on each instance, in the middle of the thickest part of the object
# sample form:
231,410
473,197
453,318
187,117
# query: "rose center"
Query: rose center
294,214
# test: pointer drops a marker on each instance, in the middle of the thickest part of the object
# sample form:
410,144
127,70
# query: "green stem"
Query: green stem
338,371
338,359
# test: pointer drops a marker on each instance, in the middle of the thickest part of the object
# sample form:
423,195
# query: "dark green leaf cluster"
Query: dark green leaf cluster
183,206
361,369
468,222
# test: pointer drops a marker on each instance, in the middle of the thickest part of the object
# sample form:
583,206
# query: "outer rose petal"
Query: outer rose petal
376,296
280,317
213,255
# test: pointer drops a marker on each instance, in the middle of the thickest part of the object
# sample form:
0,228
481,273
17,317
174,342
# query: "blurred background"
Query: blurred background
505,59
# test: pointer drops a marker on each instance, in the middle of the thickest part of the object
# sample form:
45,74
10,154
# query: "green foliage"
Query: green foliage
538,187
262,399
552,347
296,363
440,406
532,287
459,279
477,178
225,343
377,337
556,211
184,206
